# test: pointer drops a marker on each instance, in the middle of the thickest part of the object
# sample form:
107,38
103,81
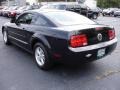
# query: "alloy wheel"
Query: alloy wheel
40,56
5,38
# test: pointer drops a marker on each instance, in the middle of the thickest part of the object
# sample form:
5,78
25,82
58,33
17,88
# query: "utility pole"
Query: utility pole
8,2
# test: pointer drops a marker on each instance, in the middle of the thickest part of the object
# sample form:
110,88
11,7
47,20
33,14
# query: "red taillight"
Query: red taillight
111,34
78,40
13,13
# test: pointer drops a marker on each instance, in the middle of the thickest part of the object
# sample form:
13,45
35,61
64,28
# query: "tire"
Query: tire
116,15
103,14
41,57
94,16
5,38
111,14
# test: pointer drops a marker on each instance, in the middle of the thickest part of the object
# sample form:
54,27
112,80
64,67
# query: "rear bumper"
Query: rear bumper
92,47
107,13
89,53
90,15
117,14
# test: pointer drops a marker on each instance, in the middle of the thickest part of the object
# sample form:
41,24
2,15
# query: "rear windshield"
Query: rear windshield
68,18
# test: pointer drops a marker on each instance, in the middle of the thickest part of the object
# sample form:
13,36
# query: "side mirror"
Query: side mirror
13,19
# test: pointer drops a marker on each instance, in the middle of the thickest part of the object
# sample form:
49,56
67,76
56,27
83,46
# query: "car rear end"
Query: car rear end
117,13
86,45
12,12
90,44
79,39
106,12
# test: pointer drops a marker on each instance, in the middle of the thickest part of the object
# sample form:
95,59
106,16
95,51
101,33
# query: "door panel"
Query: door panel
19,32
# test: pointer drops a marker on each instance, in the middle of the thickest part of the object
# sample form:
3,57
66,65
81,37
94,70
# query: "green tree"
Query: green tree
108,3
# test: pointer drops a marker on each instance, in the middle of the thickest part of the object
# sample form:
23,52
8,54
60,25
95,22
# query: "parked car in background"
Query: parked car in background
117,13
59,36
12,11
16,10
78,8
6,12
20,10
2,10
93,12
26,8
1,7
99,9
109,11
67,6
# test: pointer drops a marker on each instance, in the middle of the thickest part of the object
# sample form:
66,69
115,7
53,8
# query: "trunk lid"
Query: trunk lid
95,33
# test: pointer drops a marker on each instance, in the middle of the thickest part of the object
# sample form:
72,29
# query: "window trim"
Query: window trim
22,16
50,23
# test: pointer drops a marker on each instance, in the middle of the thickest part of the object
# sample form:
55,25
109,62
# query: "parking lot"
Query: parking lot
19,72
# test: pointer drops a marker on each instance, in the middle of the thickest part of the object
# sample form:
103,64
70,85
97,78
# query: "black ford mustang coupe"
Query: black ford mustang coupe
63,36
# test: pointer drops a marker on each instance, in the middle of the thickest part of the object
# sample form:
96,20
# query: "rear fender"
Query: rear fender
39,38
3,28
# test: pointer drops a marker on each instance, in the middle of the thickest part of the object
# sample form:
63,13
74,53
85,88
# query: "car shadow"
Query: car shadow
61,71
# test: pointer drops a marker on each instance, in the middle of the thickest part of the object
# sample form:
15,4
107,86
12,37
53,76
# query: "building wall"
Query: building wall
20,2
14,2
91,3
5,3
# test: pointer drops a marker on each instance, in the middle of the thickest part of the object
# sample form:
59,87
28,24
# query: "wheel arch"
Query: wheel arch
39,39
3,28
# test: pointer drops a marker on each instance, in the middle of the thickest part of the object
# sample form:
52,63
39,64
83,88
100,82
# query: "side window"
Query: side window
25,18
41,21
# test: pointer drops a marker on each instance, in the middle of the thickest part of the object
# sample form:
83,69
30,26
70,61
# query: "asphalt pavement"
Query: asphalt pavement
18,70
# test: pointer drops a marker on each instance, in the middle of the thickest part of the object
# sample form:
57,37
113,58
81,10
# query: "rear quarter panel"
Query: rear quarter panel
54,39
